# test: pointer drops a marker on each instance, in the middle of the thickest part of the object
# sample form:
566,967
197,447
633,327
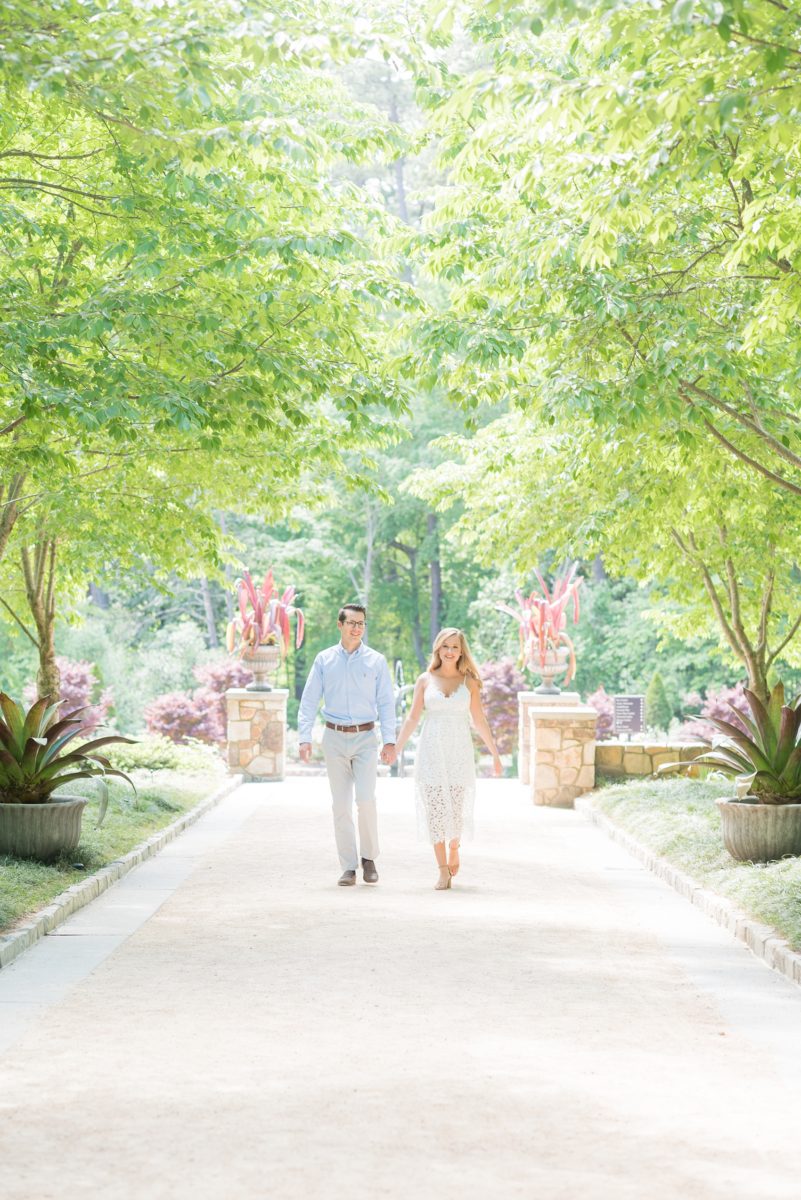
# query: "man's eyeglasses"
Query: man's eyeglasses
355,624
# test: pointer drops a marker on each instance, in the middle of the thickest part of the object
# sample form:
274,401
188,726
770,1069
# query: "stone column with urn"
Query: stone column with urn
257,733
556,742
561,756
256,714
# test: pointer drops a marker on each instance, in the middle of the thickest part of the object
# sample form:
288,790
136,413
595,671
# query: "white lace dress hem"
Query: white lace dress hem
445,772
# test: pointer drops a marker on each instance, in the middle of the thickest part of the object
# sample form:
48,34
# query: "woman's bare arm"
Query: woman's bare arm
482,724
415,713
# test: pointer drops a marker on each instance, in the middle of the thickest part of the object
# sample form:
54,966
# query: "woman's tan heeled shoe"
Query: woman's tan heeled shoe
444,880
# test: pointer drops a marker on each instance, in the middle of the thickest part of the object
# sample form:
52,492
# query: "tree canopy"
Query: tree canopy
620,230
193,312
251,255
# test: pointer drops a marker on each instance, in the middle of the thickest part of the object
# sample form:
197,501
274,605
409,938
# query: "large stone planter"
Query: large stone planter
264,662
555,662
754,832
41,831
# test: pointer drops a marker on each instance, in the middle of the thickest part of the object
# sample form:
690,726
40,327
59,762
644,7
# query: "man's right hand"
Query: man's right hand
305,752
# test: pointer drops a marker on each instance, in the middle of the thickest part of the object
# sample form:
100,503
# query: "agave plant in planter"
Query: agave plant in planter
542,618
765,824
35,759
262,631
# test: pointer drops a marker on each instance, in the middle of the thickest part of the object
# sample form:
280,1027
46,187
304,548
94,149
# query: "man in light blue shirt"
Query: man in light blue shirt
354,684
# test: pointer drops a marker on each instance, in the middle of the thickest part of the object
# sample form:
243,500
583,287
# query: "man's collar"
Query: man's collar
350,653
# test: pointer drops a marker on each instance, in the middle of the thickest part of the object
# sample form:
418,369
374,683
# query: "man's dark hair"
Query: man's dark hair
351,608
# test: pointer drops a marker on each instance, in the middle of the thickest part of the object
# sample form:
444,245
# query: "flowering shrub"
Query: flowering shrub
502,681
199,714
715,704
605,707
79,686
180,716
215,678
223,674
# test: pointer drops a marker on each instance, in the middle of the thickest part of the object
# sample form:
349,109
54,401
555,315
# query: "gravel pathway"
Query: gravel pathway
227,1023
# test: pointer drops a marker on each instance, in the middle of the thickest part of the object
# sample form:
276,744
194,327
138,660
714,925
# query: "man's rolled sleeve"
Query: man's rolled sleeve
310,702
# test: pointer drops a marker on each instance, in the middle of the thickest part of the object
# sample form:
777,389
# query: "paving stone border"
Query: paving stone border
763,940
28,931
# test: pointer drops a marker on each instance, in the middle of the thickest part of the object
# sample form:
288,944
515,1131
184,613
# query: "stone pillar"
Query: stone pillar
257,732
562,752
525,702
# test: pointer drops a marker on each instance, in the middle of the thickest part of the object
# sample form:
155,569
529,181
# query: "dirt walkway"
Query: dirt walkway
559,1025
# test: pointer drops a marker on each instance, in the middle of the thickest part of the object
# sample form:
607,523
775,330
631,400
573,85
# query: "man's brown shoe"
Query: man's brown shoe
347,879
370,873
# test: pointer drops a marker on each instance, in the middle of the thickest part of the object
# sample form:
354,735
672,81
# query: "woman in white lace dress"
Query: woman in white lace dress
449,693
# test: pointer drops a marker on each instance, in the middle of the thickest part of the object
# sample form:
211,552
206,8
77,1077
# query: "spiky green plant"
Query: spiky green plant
34,759
267,623
769,751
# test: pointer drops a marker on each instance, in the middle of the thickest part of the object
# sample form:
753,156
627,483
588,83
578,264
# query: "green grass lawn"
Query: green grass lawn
678,818
161,796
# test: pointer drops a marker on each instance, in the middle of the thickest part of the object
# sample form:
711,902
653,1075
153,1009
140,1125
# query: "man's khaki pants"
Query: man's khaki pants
352,763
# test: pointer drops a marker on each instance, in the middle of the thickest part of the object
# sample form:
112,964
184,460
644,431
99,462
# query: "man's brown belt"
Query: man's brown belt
350,728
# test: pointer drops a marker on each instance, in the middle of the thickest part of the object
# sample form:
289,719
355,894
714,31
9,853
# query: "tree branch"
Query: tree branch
24,628
13,425
751,423
775,653
764,616
709,585
781,480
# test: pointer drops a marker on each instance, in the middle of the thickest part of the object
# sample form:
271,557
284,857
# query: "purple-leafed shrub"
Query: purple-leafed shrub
715,704
215,678
179,716
604,706
79,686
200,714
502,681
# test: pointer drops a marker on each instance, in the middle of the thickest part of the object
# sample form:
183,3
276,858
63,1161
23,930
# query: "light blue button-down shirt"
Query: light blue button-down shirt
354,688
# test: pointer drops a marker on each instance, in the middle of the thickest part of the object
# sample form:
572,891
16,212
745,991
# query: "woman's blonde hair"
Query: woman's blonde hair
466,663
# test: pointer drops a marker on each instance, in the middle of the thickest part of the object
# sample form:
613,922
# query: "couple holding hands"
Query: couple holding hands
352,680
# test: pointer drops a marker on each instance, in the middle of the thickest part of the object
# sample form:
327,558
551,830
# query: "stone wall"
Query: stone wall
562,752
257,732
527,702
619,759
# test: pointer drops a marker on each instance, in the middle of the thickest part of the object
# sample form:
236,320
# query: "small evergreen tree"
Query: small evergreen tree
658,710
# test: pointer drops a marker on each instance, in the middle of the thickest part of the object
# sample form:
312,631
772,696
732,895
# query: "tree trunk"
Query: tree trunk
435,572
369,554
299,668
599,574
399,167
48,677
98,597
39,571
8,509
228,594
400,182
417,633
208,609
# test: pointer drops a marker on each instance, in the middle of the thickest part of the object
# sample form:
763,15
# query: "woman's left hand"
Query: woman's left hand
497,765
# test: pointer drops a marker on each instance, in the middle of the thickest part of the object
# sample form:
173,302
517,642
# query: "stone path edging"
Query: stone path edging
79,894
763,940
